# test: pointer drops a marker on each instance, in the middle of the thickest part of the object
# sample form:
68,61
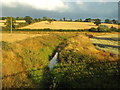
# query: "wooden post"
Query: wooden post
11,24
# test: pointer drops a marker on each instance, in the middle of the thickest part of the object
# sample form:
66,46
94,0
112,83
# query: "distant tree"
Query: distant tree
8,22
113,29
50,20
87,20
114,21
70,20
19,18
3,18
36,20
60,19
97,22
78,20
107,21
54,19
28,19
33,21
64,19
45,18
39,19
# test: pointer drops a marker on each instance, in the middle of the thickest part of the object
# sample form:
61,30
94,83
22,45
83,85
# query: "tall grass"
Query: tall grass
25,56
78,68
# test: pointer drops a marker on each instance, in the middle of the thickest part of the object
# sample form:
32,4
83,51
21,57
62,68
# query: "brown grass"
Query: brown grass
7,37
82,44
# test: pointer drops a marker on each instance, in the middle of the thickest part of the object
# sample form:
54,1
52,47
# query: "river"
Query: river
53,61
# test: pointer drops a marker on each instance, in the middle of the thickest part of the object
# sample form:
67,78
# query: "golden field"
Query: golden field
3,21
7,37
64,25
18,21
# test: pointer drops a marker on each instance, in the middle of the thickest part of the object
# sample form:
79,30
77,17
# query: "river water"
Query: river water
53,61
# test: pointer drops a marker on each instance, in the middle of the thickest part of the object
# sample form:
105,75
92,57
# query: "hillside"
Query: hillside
63,25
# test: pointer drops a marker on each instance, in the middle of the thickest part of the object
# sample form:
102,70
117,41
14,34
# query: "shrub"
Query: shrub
103,28
113,29
93,30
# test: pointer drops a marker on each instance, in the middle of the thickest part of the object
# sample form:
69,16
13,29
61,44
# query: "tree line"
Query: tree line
30,20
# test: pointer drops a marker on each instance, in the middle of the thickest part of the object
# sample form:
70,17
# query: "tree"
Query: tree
36,20
70,20
60,19
3,18
114,21
78,20
97,22
45,18
87,20
50,20
19,18
28,19
107,21
8,22
54,19
64,19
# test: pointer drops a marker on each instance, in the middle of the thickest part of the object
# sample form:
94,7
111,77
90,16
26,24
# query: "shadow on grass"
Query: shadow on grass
111,39
104,45
101,78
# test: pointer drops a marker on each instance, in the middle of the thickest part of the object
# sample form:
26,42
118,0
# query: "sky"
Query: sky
71,9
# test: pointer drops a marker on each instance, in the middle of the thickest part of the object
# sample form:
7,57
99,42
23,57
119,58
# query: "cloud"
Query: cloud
56,10
90,0
37,4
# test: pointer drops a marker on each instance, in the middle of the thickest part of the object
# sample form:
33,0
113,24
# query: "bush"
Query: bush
93,30
103,28
113,29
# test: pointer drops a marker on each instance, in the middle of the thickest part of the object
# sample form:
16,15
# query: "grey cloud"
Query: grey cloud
91,9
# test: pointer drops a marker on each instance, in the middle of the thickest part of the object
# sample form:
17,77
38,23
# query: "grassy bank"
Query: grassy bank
80,63
27,60
83,66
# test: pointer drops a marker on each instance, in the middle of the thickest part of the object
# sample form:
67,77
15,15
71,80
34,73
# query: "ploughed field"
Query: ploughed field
107,42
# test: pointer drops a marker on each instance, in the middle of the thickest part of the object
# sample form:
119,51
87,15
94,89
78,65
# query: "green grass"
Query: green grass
81,70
